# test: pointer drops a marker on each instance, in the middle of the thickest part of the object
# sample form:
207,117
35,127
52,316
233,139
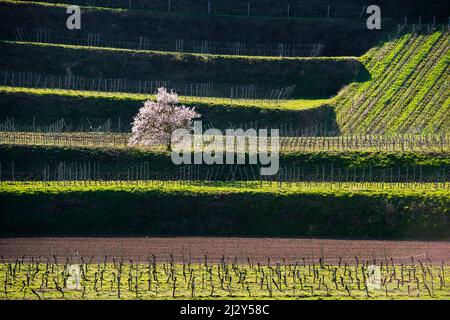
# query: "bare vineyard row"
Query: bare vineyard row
250,92
153,279
170,45
118,125
436,142
146,171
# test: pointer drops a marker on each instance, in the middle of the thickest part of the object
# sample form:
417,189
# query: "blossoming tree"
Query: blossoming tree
156,121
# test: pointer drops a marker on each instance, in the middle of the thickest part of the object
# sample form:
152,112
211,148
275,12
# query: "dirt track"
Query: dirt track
195,249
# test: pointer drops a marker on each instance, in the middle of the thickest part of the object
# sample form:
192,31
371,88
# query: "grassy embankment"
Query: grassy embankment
34,158
340,36
226,209
79,108
314,78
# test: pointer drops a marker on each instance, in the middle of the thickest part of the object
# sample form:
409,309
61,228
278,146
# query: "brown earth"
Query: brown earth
195,249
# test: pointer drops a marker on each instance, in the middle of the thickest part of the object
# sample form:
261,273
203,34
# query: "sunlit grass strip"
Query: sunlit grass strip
208,187
293,104
60,5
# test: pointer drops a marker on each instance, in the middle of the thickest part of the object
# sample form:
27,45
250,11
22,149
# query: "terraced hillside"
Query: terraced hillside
117,23
312,77
364,146
409,90
42,109
401,86
364,150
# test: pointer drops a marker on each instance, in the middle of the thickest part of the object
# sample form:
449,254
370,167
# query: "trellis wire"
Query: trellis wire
170,45
143,171
289,130
308,177
232,8
210,90
385,142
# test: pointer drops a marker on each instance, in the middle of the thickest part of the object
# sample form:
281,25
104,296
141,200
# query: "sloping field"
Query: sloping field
249,269
409,90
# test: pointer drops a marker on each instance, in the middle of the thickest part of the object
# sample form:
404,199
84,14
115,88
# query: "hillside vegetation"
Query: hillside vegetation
223,210
29,162
409,90
80,109
404,85
313,77
368,83
340,36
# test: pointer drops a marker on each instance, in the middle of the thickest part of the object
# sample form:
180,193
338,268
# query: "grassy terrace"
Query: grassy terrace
371,210
124,98
206,56
365,150
120,160
313,77
81,107
340,36
438,143
49,106
20,162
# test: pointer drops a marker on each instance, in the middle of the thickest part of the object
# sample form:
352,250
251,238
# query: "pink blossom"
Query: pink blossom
156,121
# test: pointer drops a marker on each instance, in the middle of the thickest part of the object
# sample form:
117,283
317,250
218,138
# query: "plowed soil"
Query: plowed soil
195,249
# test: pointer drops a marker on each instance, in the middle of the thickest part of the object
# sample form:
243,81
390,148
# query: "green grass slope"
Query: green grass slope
79,108
313,77
409,90
223,210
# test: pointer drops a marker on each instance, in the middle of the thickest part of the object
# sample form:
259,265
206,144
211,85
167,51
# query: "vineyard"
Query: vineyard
409,90
152,279
361,150
341,143
209,31
413,67
307,74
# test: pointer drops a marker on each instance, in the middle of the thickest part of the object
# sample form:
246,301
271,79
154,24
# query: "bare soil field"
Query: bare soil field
194,249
